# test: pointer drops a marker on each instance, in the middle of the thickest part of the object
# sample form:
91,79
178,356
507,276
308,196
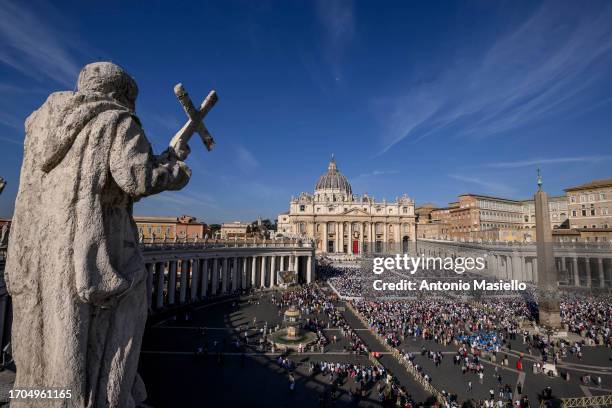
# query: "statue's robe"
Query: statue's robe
74,268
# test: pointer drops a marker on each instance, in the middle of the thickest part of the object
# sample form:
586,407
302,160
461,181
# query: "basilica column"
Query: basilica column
341,237
600,269
282,263
385,226
361,230
309,270
325,237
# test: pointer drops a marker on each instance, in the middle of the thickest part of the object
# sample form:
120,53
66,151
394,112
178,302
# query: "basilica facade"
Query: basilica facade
342,222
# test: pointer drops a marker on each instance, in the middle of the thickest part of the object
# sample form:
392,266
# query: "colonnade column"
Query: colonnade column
282,262
575,271
244,279
204,282
588,271
184,280
195,278
171,282
600,269
235,275
264,260
273,271
225,276
254,272
215,277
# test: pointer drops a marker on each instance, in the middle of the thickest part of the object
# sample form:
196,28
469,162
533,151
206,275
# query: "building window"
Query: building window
602,196
405,210
302,208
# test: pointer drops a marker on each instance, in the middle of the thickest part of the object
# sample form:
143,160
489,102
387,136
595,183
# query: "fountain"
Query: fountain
292,336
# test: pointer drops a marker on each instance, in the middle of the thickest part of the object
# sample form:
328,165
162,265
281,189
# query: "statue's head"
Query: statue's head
109,79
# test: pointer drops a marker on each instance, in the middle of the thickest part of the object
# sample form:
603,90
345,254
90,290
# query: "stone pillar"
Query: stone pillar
204,282
587,262
172,282
273,271
600,269
235,275
225,276
254,272
340,237
195,278
215,277
262,276
361,230
160,269
325,237
575,271
309,270
244,280
282,262
184,280
385,226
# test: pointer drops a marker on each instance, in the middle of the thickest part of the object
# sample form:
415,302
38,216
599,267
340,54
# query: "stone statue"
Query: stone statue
74,267
2,184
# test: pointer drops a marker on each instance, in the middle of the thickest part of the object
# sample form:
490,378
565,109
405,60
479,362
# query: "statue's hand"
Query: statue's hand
181,150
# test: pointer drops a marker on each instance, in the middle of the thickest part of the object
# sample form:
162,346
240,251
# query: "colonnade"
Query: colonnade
176,279
586,266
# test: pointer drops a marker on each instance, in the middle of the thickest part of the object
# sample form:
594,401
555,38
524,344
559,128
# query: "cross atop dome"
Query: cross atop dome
332,164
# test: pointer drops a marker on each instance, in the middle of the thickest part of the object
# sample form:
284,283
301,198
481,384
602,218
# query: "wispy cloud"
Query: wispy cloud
545,161
336,17
11,121
245,160
537,70
488,187
33,47
376,173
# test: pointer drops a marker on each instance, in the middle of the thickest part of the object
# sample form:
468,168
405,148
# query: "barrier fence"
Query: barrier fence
406,364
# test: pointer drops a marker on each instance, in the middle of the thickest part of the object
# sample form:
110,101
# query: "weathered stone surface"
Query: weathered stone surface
74,268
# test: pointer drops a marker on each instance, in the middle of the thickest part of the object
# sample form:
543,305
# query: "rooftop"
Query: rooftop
592,184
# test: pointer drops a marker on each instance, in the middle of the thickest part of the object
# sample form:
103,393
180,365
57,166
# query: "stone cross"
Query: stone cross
195,123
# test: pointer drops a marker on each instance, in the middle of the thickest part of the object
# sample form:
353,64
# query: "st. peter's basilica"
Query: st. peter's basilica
342,222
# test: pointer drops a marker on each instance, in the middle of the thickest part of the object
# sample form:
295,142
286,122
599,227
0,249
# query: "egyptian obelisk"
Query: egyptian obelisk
548,299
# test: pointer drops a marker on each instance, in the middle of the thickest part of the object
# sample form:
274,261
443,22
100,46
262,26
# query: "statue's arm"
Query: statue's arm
135,168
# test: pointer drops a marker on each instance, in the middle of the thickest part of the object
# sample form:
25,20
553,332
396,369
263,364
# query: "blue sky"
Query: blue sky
431,99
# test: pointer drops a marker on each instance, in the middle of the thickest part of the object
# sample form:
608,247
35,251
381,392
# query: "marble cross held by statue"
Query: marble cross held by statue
195,123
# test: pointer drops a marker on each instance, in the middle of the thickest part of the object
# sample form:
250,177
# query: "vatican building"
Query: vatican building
342,222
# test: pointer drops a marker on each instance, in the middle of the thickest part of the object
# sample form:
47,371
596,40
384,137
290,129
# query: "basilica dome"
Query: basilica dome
333,180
